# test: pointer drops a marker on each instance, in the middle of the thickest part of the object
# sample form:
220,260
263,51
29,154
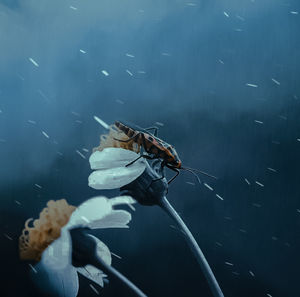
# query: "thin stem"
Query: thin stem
84,253
213,284
99,263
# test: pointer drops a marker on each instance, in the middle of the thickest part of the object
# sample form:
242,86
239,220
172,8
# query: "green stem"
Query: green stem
213,284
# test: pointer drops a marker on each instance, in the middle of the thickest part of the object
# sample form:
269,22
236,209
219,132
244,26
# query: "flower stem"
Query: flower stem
84,252
99,263
213,284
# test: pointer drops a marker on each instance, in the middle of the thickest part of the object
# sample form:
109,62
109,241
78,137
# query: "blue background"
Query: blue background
191,66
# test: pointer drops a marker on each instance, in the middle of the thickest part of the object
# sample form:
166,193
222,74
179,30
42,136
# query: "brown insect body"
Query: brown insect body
152,144
156,147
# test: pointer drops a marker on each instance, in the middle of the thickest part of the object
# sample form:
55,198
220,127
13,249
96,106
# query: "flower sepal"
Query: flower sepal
150,187
83,247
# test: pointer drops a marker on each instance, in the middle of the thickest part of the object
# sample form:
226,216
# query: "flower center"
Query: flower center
109,140
34,240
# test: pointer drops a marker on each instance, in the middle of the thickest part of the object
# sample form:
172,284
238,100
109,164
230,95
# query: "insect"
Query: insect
156,148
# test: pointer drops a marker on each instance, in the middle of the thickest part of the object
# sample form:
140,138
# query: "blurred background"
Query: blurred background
220,79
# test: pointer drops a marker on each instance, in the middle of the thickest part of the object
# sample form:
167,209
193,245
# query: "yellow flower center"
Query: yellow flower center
34,240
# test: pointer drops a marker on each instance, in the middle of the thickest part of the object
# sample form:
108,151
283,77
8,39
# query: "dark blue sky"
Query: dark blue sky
223,78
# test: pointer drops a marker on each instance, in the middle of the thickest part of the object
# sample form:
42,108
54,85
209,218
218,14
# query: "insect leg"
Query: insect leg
131,138
141,156
162,172
152,128
174,169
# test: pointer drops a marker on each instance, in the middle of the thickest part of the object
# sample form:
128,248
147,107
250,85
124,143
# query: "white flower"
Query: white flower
56,261
111,171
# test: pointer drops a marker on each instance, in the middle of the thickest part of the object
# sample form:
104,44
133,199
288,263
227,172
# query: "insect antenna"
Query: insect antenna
199,171
191,171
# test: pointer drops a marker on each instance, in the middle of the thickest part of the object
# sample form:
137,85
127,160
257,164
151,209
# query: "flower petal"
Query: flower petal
58,254
92,272
91,210
117,219
54,281
112,172
112,157
99,210
102,251
122,200
114,178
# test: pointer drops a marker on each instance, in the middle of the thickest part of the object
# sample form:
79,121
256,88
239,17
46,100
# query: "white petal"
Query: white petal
98,210
111,168
122,200
58,254
112,157
117,177
91,210
56,282
116,219
92,272
102,251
